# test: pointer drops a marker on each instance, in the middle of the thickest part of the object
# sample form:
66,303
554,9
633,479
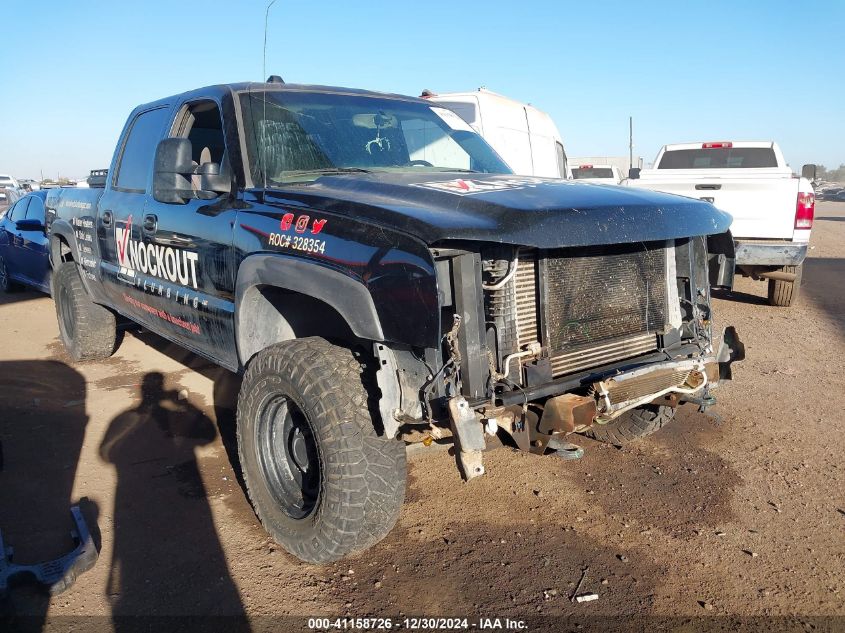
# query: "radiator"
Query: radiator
587,307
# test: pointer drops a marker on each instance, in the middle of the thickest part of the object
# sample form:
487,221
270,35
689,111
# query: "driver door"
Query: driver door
10,239
32,247
197,237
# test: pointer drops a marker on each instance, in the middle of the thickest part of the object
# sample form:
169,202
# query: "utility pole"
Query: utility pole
630,142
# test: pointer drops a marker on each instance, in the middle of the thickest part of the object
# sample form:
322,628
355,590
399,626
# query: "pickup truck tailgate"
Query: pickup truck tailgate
762,206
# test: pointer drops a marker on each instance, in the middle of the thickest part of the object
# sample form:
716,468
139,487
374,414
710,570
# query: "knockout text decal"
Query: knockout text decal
165,262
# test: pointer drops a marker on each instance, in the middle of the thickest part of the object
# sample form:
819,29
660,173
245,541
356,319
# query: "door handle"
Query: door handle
708,187
107,218
150,223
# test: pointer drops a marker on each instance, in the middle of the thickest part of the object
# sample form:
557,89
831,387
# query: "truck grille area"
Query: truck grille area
602,294
587,307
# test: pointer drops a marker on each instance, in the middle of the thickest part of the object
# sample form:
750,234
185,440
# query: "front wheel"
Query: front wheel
785,293
322,481
632,425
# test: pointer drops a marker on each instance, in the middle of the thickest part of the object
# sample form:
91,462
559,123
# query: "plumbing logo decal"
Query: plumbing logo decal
165,262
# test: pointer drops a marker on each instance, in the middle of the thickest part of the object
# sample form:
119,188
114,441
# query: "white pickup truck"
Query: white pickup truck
772,208
599,174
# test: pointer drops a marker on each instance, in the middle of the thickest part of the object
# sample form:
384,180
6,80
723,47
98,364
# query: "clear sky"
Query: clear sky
686,71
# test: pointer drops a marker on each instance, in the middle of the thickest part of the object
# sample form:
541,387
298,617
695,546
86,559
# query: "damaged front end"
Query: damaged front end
547,343
541,344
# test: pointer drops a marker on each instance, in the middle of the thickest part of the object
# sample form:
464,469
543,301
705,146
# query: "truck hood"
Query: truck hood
524,211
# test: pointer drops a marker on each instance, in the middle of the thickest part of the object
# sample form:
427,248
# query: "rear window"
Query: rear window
719,158
592,172
136,160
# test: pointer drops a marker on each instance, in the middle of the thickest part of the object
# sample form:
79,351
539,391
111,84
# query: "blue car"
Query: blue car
23,245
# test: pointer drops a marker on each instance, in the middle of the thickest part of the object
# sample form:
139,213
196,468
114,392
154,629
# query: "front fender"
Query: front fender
382,282
349,298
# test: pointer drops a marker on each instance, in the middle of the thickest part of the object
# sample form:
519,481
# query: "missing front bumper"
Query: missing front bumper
663,383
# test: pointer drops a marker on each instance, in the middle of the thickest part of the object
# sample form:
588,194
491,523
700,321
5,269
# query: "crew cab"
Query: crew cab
772,208
379,277
600,174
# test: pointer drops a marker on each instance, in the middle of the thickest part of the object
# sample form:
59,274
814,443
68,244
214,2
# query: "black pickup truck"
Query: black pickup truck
379,277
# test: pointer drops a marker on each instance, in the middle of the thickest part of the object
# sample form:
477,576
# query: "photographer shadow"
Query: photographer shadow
167,560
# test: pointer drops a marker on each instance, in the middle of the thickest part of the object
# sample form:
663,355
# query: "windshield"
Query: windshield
299,136
719,158
592,172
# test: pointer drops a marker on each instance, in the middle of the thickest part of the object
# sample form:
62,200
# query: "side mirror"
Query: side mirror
634,173
214,180
172,171
809,172
29,225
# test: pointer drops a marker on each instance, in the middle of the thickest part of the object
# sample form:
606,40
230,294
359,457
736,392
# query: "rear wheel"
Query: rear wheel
785,293
322,481
6,283
88,330
632,425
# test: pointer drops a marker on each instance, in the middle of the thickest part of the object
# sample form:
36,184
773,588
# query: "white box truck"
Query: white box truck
526,138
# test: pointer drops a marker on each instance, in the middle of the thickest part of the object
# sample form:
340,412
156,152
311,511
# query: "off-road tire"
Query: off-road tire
88,330
6,283
361,474
785,293
632,425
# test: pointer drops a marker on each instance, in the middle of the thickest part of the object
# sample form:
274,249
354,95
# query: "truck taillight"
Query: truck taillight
804,210
717,145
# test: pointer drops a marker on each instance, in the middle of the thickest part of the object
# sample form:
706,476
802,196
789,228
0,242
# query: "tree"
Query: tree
833,175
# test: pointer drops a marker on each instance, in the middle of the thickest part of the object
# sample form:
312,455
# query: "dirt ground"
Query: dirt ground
740,513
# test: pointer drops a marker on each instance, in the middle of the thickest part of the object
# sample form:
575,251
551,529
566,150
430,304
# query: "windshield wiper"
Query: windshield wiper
326,171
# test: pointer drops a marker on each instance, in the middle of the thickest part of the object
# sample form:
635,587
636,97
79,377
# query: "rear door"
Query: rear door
124,253
195,289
